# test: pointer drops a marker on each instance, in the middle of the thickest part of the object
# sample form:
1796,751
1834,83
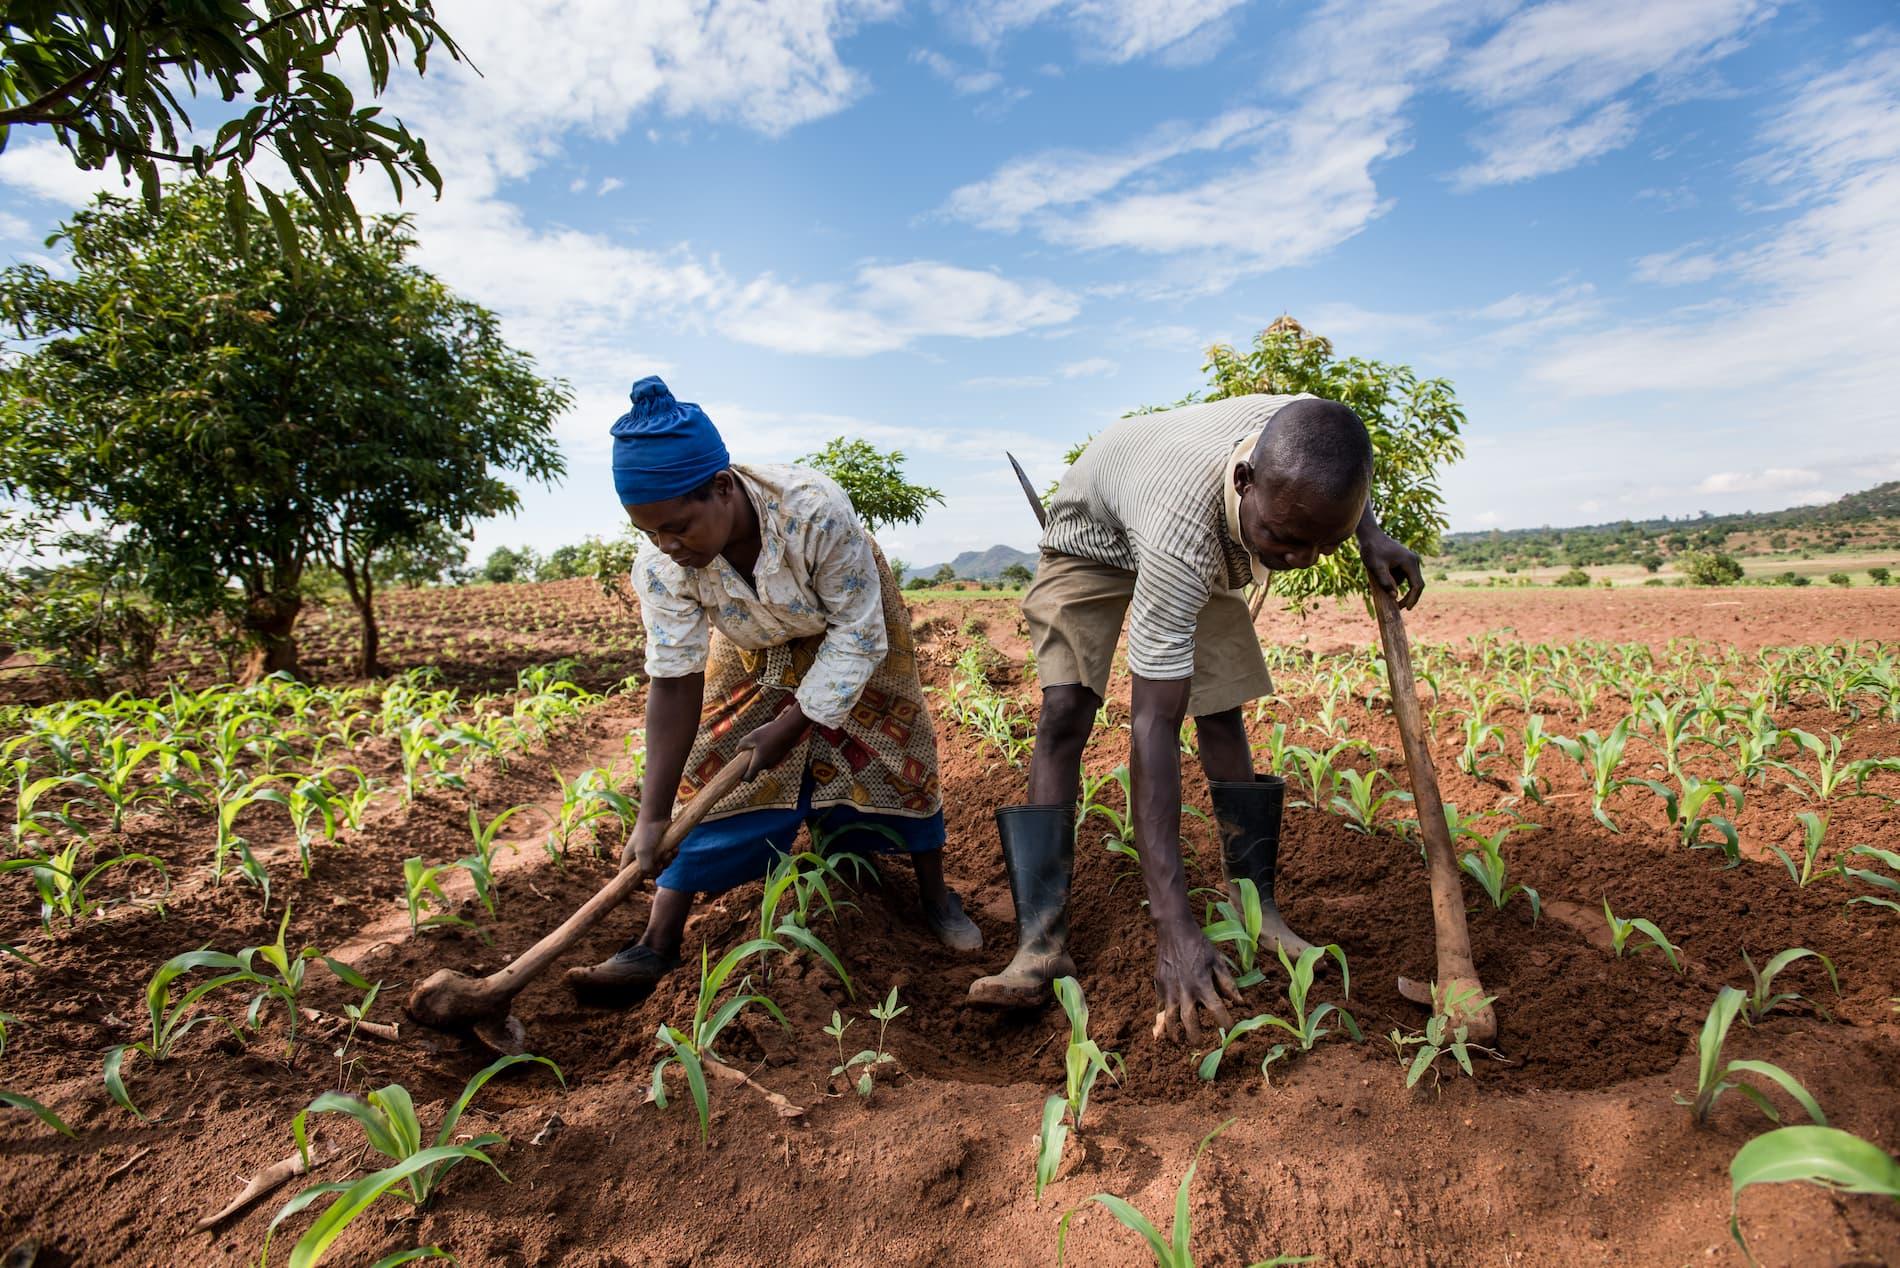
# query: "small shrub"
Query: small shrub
1880,576
1839,579
1711,568
1575,577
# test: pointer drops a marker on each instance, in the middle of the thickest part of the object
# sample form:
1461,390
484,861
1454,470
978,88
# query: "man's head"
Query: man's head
673,475
1305,488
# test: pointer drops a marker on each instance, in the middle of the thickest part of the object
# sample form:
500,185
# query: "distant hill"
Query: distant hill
986,565
1868,518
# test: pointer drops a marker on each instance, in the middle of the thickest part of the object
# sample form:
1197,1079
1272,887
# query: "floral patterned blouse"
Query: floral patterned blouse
815,574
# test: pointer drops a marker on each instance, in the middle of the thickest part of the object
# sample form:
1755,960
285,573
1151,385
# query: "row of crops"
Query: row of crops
1662,745
1671,744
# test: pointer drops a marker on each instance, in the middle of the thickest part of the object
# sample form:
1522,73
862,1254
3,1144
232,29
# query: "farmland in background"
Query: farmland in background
1567,1145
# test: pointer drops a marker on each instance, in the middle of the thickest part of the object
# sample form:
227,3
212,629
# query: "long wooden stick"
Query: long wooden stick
1459,993
448,998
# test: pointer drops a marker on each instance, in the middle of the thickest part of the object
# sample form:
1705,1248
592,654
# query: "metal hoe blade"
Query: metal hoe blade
1029,490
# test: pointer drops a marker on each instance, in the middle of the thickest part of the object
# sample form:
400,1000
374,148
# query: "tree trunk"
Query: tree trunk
360,581
270,620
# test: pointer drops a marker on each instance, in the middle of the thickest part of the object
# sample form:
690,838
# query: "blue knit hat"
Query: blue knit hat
664,448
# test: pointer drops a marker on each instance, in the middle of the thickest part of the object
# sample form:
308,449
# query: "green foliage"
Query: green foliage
1575,577
110,78
1839,579
1825,1156
874,481
1083,1063
1879,880
693,1047
1714,1076
21,1101
393,1129
1441,1037
1414,423
870,1059
322,411
1710,568
1762,997
1621,929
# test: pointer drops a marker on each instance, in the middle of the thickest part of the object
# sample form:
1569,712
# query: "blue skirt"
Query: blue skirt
728,852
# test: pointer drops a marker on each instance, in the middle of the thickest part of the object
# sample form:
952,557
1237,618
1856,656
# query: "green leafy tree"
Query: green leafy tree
1414,423
944,575
236,419
505,566
562,564
436,553
1710,568
111,78
1016,575
874,481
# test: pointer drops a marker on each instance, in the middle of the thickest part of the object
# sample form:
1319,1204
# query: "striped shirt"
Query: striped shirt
1148,495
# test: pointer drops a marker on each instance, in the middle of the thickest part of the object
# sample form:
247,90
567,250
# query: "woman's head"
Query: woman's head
695,527
671,471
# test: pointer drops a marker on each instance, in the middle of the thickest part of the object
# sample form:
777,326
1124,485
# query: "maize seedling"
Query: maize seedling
1714,1076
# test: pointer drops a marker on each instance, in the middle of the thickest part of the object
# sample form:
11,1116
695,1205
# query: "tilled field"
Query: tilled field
1567,1147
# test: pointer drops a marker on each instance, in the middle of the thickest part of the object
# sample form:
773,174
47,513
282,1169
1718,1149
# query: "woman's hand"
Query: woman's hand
770,743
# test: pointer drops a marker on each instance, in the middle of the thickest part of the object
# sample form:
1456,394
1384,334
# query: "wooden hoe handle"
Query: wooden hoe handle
1457,974
449,998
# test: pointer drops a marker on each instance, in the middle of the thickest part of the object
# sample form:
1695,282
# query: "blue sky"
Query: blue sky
1655,246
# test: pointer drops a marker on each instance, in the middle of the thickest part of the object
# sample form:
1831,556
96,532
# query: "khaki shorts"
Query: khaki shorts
1075,609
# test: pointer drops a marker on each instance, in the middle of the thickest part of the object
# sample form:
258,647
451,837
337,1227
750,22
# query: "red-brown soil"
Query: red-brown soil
1570,1149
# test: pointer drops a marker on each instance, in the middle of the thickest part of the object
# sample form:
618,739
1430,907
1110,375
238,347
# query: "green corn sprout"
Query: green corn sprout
1669,729
423,894
1361,802
1174,1250
1083,1063
1867,876
1275,746
693,1047
1441,1037
392,1128
116,777
1715,1077
307,796
1319,770
1621,929
1305,1027
1830,771
172,1018
1480,736
1237,919
480,865
1533,739
1825,1156
1685,811
1599,755
63,885
1813,832
805,876
1762,999
1486,866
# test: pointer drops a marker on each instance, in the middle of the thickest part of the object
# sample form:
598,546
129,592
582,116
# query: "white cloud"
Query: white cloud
608,186
1024,187
1769,480
1684,266
44,169
963,82
1555,75
12,226
891,306
1110,30
1092,367
1812,312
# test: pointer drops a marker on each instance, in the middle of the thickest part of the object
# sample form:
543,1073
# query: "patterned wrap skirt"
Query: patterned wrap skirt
869,783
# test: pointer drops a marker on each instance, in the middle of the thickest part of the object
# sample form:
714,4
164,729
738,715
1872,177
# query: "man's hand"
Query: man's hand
643,843
1189,974
1387,561
770,743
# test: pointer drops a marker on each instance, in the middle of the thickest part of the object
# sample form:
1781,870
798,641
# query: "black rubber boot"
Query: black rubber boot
1249,817
623,978
1039,852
